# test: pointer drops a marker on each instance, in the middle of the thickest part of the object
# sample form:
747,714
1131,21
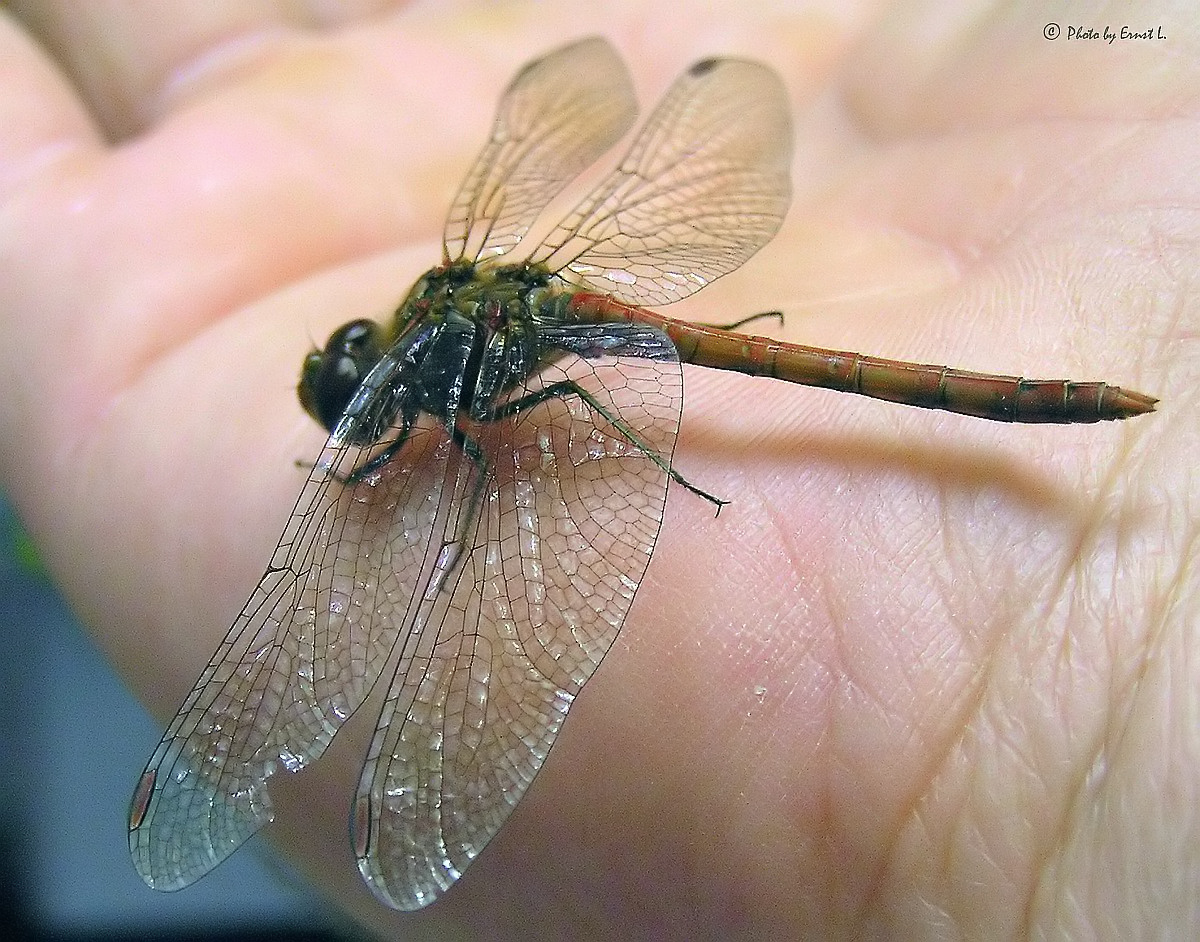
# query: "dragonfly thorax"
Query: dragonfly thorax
465,335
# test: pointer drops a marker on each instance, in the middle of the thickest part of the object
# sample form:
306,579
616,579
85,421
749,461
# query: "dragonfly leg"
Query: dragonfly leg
762,315
373,464
568,387
364,470
474,453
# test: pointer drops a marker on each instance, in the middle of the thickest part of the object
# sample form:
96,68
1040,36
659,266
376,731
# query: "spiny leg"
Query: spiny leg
373,464
470,448
461,518
368,467
567,387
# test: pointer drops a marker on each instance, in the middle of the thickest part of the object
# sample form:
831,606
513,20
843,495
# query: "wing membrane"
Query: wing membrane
555,118
303,653
546,573
704,186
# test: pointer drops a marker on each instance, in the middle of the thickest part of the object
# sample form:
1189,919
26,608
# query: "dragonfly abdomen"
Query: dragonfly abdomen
984,395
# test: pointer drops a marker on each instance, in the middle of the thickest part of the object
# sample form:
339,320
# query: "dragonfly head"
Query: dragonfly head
330,377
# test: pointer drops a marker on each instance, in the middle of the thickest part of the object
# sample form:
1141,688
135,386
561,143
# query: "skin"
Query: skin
927,676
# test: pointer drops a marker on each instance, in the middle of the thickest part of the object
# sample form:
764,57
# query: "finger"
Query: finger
40,114
125,58
281,174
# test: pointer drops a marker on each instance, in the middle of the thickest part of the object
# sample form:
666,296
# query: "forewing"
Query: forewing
704,186
536,589
301,656
555,118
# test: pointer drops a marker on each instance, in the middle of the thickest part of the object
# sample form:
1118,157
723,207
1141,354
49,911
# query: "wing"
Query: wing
704,186
555,118
303,653
538,583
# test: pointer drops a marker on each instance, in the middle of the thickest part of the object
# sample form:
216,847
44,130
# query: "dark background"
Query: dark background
72,743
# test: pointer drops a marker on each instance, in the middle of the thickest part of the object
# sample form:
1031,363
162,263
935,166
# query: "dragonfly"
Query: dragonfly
472,535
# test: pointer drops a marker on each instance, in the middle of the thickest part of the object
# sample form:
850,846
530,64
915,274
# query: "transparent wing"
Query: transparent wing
537,586
301,656
704,186
555,118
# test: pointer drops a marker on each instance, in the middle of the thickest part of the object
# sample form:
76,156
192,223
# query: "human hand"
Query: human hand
924,671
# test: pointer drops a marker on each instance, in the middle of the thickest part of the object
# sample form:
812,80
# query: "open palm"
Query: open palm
925,670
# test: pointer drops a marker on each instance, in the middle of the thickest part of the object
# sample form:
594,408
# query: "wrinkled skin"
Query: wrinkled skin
926,677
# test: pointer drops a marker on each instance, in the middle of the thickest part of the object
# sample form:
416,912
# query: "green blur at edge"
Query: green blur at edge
18,544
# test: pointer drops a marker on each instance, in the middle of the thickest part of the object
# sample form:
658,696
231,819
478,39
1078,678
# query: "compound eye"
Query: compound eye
353,338
329,378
